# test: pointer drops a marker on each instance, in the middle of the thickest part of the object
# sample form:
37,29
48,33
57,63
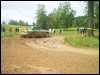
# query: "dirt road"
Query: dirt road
46,56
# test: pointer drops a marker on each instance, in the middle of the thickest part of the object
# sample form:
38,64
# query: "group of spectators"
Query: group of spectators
17,29
52,30
82,30
10,29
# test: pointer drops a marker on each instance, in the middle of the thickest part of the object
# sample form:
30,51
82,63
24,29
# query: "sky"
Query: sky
25,10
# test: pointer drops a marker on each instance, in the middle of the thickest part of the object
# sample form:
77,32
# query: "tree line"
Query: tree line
61,17
14,22
64,16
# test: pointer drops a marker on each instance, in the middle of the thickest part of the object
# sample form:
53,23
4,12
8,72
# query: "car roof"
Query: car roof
32,26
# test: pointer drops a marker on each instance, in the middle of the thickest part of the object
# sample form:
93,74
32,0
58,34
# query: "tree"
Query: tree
41,16
26,23
96,13
33,23
21,22
65,15
90,18
15,22
74,23
3,22
11,22
50,21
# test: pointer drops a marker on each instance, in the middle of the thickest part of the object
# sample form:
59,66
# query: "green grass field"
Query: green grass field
79,41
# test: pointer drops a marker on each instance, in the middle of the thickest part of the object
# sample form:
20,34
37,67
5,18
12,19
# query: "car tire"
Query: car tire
33,35
21,36
47,35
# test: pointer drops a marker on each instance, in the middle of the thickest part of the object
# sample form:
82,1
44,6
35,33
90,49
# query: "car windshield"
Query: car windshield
34,28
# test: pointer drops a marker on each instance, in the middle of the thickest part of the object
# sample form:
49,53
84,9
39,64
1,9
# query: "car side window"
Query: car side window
34,28
38,28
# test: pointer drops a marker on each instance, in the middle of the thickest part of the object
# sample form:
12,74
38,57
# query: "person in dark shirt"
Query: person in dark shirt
16,29
60,30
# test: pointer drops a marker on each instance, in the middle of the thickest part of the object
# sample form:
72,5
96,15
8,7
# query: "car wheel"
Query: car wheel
47,35
21,36
33,35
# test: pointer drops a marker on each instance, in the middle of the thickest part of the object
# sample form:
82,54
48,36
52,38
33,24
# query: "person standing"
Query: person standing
49,30
77,30
10,29
54,30
16,29
60,30
3,29
81,30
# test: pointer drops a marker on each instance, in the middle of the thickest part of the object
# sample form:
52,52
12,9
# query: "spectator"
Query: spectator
81,30
60,30
3,29
49,30
10,29
77,30
16,29
85,30
54,30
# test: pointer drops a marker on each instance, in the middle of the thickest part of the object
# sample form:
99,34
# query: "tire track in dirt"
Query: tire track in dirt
44,56
19,45
56,44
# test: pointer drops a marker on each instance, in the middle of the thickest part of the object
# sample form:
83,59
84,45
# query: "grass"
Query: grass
80,41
